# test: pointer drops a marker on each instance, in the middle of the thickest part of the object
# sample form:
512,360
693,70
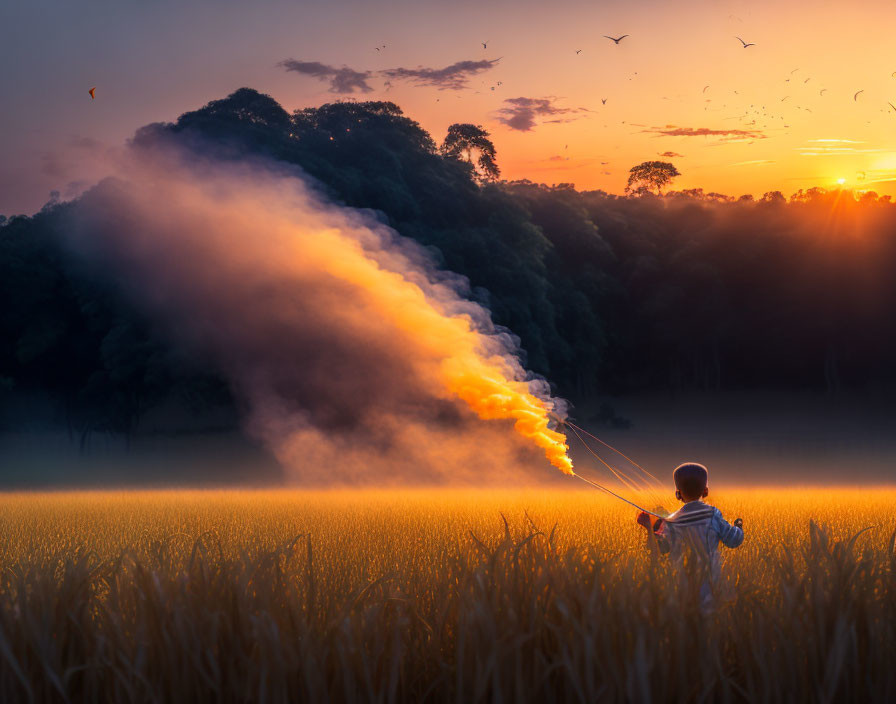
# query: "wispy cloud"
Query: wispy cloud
523,114
341,80
671,155
834,147
839,141
879,176
453,77
754,162
838,152
726,135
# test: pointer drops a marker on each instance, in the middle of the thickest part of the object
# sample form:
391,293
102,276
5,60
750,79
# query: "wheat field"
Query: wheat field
437,595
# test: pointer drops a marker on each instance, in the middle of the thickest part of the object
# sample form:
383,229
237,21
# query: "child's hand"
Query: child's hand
738,523
644,519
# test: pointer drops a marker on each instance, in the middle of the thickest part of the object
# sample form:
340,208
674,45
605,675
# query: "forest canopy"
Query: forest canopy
607,294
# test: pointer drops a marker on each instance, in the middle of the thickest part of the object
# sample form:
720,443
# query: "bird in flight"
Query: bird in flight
485,45
603,101
746,44
704,88
578,51
856,96
821,92
892,106
614,39
92,92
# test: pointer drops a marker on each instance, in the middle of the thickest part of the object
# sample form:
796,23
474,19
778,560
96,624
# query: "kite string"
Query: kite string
610,447
613,493
622,478
647,483
601,460
631,483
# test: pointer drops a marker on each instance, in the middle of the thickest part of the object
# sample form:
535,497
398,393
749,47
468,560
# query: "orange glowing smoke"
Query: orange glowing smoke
493,398
474,366
311,307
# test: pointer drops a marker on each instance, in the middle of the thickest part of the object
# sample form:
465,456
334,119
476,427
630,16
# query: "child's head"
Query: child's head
690,481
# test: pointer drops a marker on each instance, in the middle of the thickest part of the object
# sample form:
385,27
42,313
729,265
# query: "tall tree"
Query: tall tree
464,140
650,175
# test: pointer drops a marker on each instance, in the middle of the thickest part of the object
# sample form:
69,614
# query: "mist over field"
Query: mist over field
169,326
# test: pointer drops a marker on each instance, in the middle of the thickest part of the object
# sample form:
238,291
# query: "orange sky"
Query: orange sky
155,61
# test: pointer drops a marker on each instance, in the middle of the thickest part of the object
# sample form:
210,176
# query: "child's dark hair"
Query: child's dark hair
690,479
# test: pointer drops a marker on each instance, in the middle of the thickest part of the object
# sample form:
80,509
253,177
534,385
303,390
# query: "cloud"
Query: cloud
840,141
342,80
671,155
729,135
754,162
523,114
834,147
879,177
348,80
837,152
453,77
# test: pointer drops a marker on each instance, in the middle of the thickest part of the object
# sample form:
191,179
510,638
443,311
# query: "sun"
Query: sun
841,181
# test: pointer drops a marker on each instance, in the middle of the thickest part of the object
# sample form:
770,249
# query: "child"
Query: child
692,534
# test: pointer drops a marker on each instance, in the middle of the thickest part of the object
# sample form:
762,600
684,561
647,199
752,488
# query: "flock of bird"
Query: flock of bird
744,44
753,111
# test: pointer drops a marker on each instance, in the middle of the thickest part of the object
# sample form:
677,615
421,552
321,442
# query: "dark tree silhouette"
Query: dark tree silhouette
464,140
607,294
650,175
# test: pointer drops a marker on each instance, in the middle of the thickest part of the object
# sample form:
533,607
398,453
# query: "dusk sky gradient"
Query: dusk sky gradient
153,61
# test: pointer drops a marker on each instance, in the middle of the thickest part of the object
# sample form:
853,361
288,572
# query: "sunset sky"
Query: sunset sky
732,119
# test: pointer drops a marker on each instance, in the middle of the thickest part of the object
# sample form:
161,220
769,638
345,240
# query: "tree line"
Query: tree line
608,294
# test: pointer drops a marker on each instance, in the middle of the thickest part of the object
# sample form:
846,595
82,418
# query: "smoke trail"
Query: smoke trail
349,349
